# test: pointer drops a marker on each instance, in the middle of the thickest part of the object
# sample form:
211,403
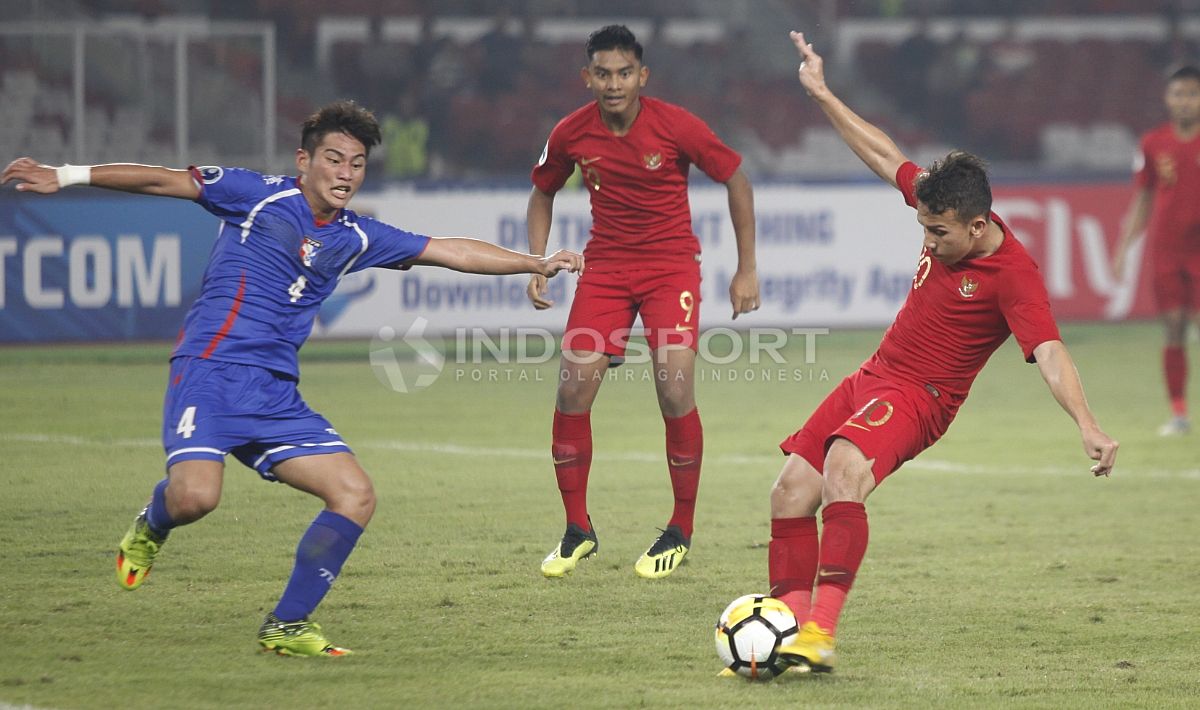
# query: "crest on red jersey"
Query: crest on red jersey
652,161
967,287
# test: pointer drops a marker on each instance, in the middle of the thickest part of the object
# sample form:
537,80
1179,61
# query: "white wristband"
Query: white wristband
74,175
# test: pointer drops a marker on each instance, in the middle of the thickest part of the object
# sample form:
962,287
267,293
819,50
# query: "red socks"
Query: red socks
685,448
792,562
843,544
1176,370
572,454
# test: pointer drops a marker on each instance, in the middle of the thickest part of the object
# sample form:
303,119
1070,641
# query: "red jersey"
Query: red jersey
956,316
1170,167
637,182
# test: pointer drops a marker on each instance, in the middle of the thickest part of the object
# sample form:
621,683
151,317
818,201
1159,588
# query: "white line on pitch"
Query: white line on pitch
732,459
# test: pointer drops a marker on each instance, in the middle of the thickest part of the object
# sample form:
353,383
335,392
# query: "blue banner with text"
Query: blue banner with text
92,265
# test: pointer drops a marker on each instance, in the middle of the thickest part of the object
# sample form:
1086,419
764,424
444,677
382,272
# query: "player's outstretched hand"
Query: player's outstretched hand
561,260
31,176
1102,448
743,293
812,67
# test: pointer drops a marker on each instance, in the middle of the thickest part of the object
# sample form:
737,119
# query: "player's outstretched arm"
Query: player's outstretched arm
475,256
32,176
1132,228
1058,370
538,217
870,144
743,287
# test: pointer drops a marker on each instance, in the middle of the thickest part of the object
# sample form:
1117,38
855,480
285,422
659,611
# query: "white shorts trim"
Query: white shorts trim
277,449
195,449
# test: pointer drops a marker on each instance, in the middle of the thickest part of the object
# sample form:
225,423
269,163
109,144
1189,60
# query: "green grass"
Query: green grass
1000,573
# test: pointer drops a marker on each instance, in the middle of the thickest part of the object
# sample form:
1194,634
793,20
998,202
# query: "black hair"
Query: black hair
343,116
613,37
1187,71
958,182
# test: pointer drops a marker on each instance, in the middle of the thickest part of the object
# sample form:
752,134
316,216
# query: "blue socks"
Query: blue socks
156,513
319,558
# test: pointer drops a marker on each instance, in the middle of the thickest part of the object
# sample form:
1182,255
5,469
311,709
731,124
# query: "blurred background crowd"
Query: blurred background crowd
467,90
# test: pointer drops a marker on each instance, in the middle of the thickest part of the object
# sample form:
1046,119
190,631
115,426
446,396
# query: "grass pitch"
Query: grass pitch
999,573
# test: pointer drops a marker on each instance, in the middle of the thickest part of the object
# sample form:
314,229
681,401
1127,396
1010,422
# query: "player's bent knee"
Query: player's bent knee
797,491
789,501
355,499
191,503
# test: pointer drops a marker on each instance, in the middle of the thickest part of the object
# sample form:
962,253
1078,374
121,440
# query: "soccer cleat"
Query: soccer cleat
813,647
664,555
135,554
727,673
296,638
1177,426
577,544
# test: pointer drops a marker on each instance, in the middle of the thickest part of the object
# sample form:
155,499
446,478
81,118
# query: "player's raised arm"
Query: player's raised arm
870,144
32,176
743,287
1058,370
475,256
538,217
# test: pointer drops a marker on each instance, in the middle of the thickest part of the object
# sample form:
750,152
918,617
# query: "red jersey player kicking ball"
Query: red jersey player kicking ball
1166,204
634,153
974,285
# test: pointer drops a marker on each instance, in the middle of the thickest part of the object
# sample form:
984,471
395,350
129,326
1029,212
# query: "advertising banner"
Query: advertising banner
93,265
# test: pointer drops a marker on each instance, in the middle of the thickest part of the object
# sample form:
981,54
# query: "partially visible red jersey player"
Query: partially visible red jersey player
1166,205
634,153
974,285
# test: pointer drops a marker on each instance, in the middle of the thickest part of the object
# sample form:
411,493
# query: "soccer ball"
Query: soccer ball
750,632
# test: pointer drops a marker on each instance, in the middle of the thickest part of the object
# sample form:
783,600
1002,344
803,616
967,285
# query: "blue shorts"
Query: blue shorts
217,408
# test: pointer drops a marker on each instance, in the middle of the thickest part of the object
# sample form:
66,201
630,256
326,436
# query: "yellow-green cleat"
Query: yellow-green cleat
135,554
576,544
813,647
297,638
664,555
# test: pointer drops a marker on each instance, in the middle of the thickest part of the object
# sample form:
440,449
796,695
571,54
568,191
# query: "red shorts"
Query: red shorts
606,303
887,421
1177,283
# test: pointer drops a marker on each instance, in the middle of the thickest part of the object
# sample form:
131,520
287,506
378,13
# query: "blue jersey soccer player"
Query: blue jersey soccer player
283,245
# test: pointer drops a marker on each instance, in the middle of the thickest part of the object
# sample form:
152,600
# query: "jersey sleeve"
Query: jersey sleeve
706,151
906,181
230,193
388,246
1144,174
555,166
1026,308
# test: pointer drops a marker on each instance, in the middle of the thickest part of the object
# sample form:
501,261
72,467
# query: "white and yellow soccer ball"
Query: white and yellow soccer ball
750,632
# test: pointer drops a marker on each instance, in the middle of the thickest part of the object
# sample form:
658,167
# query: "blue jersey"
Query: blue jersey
273,265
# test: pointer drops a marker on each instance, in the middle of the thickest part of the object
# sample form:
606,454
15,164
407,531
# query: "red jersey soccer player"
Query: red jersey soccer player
1166,204
974,285
634,152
